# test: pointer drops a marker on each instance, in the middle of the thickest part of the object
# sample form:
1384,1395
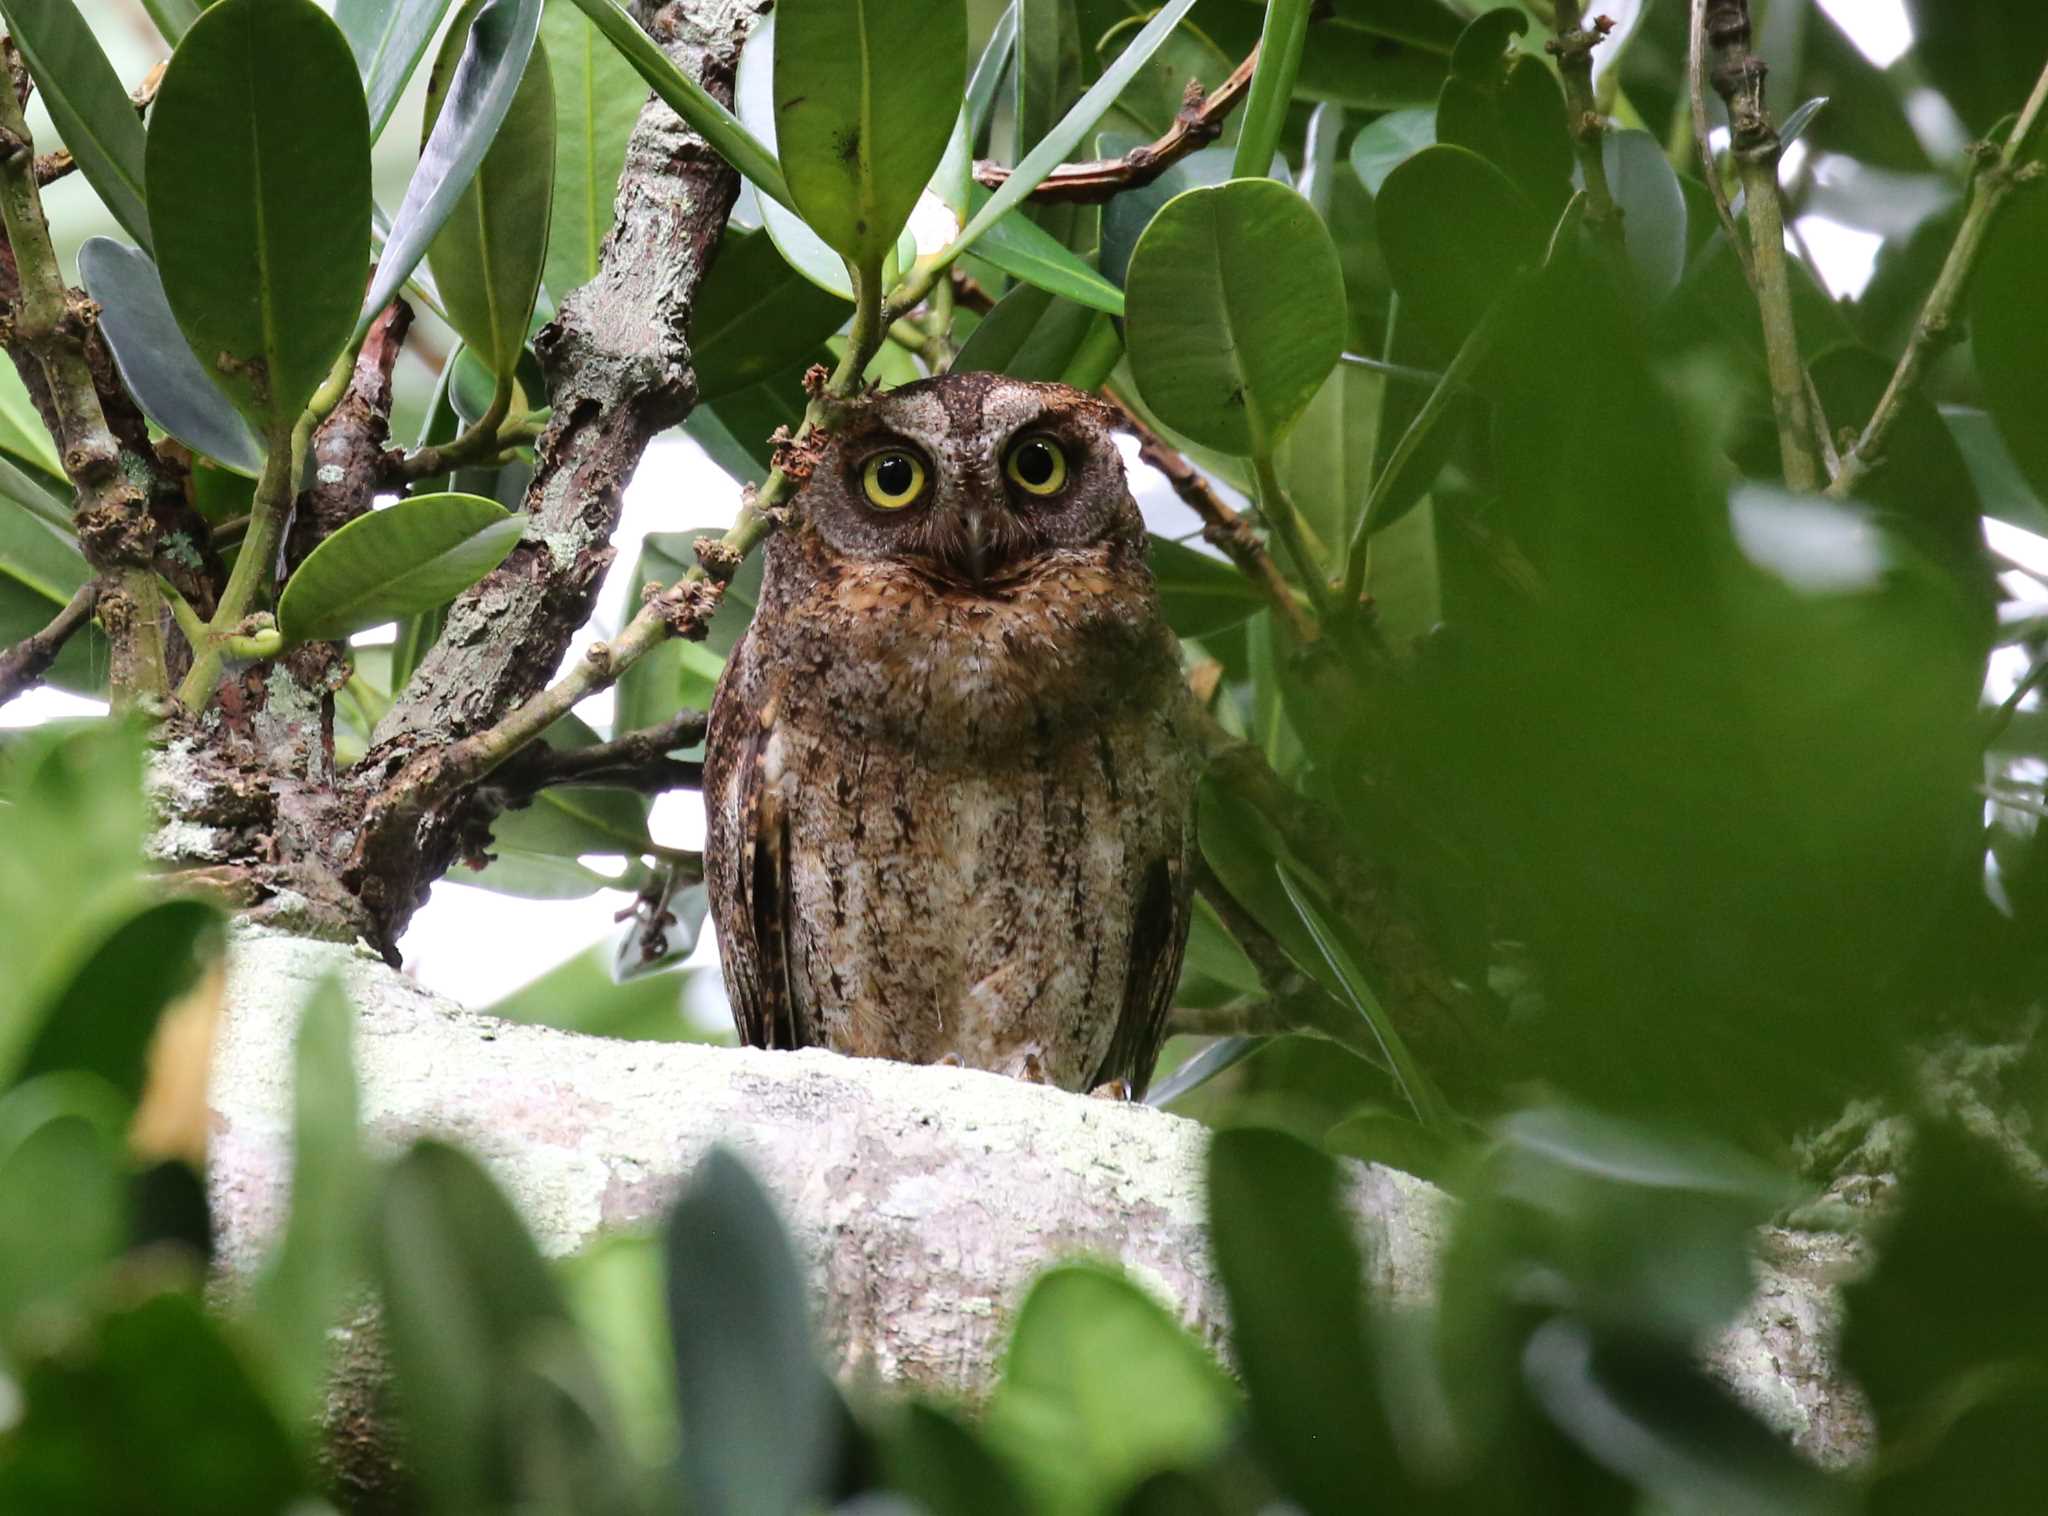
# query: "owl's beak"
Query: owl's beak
975,545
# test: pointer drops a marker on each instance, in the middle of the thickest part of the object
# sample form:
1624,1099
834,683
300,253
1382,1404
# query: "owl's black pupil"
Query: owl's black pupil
894,474
1035,463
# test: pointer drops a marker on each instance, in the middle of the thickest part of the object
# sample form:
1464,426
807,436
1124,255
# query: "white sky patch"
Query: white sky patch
46,704
1847,255
2017,546
1880,29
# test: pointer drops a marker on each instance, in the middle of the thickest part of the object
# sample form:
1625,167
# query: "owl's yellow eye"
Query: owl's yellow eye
892,480
1037,465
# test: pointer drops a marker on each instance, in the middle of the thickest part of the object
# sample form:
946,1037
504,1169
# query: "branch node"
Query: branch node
719,559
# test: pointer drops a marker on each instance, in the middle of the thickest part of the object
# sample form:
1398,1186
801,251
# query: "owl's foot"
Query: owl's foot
1114,1089
949,1061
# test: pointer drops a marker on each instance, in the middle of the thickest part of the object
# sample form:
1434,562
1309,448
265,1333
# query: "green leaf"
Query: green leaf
663,935
171,385
262,275
407,557
935,1459
1265,111
1154,97
1236,312
87,102
467,1301
598,98
487,256
756,316
103,1020
1477,55
857,147
1024,250
320,1265
173,18
1101,1386
2009,330
988,74
1292,1274
477,98
532,876
1386,142
1029,335
580,995
64,1211
40,555
388,38
1326,461
1053,148
1395,1142
146,1407
1200,593
740,1323
1453,231
1429,1104
1125,218
1653,222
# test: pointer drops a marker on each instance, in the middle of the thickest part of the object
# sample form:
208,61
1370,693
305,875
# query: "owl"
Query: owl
950,772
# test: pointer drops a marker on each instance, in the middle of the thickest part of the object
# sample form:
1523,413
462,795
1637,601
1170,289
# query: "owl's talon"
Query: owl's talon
1113,1089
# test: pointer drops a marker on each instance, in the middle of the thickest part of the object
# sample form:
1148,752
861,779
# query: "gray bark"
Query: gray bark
922,1200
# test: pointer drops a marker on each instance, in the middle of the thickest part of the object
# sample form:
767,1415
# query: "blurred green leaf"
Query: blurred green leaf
1385,143
172,386
943,1465
410,556
239,242
1100,1387
475,102
763,1426
856,147
1453,231
1199,592
321,1263
88,104
1397,1142
581,995
63,1206
2008,317
487,256
146,1408
388,38
1653,215
1247,261
22,432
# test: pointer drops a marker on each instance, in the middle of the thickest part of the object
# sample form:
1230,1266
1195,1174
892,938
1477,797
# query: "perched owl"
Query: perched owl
950,771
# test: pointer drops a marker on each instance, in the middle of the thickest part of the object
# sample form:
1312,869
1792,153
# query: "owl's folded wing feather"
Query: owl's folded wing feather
1159,934
749,845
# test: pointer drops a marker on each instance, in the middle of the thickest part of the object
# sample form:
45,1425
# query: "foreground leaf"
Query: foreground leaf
388,37
262,275
1236,312
171,385
755,316
598,98
407,557
90,108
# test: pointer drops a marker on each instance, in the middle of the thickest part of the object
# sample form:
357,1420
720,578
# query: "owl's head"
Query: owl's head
971,477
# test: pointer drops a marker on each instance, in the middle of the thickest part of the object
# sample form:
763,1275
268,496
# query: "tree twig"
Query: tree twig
636,761
1738,78
1999,172
55,164
1198,123
50,321
1703,141
22,666
1573,48
1222,527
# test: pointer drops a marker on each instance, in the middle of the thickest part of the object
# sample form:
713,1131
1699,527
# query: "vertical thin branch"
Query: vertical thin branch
1573,49
1738,77
2000,171
50,321
1285,523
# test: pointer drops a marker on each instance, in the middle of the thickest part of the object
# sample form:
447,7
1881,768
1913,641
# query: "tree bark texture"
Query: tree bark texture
922,1201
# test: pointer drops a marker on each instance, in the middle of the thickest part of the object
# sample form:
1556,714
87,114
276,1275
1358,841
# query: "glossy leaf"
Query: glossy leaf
857,147
1149,103
478,96
1453,231
1125,218
320,1262
487,256
388,38
87,102
755,316
171,385
1099,1369
1024,250
598,98
1236,304
2009,331
1029,335
1199,592
1265,108
407,557
173,18
989,70
262,276
739,1321
1386,142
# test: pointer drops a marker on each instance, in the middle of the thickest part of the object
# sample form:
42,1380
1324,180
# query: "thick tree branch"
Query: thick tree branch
1198,123
1999,173
22,666
1222,527
51,323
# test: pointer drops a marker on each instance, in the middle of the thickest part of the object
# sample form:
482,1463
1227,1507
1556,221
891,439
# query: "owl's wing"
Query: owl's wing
749,846
1159,935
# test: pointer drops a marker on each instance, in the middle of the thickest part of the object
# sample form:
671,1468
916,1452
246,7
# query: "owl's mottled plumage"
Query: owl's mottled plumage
949,776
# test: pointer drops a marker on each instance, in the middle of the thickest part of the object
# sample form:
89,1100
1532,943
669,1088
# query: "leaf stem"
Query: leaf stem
1285,523
1998,174
1265,113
